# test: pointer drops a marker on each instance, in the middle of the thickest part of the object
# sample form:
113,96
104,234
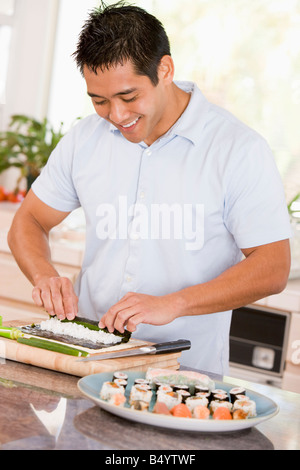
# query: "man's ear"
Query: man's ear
166,69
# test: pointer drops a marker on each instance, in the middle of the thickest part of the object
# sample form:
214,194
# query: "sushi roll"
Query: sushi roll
194,401
200,388
121,382
220,397
109,389
219,403
141,381
248,406
236,391
178,387
117,399
139,405
171,399
140,393
120,375
143,386
239,414
184,394
241,397
165,388
156,385
218,391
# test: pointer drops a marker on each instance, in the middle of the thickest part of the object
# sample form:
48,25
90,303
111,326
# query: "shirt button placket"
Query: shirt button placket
131,268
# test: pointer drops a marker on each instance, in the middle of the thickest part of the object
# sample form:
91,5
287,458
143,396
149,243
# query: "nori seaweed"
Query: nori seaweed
35,330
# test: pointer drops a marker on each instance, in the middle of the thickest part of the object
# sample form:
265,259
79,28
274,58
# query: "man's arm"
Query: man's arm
263,272
28,240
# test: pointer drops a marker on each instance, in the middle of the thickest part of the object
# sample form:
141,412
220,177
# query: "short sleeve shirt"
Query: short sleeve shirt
168,216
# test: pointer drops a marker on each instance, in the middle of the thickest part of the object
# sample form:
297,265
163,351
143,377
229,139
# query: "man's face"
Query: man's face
129,101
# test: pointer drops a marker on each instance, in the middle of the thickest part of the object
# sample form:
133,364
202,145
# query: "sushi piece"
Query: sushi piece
192,402
248,406
141,381
109,389
241,397
215,404
239,414
201,412
117,399
121,382
236,391
139,405
120,375
156,385
220,397
178,387
185,377
184,394
181,411
222,413
165,388
161,408
171,399
218,391
200,388
140,393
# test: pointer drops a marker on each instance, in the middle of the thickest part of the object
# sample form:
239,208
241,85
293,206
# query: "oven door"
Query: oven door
258,342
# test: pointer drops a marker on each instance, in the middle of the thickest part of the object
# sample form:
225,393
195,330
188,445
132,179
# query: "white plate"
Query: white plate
91,385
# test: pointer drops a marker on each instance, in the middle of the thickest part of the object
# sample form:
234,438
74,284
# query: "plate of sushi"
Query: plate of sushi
183,400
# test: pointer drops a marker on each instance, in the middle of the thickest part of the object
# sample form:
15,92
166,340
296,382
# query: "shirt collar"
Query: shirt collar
192,121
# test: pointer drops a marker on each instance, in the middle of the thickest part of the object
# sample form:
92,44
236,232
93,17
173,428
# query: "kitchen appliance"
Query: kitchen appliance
258,344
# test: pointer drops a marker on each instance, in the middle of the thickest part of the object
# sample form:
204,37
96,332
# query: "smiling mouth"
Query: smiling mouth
131,124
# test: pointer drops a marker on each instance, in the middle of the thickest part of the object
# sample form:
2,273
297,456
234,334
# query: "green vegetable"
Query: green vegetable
51,346
0,321
11,333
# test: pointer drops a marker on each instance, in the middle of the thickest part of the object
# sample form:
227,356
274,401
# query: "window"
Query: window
245,56
6,22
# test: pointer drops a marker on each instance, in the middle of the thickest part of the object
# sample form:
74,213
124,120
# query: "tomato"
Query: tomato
3,194
15,197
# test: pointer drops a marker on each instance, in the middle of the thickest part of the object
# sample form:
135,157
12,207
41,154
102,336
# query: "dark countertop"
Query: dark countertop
44,410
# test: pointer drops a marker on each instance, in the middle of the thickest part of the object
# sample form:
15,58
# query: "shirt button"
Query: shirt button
148,152
142,194
128,278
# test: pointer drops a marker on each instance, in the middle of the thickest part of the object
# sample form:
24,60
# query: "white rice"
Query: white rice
78,331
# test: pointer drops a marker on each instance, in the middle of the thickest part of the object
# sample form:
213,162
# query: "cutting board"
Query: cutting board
14,351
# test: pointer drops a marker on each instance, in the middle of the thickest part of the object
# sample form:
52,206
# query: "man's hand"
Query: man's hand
135,308
57,297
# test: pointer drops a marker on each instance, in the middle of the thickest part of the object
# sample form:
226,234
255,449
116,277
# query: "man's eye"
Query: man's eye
130,99
99,103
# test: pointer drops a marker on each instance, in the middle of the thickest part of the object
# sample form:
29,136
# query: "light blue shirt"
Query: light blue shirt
168,216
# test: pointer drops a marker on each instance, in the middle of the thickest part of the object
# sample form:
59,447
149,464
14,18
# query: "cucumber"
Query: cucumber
10,332
51,346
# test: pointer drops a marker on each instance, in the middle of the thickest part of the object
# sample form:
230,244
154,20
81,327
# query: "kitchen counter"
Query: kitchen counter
44,410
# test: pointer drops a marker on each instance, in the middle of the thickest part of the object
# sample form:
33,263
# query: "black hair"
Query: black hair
115,34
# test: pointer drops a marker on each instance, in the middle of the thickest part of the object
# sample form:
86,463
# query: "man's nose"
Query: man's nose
118,112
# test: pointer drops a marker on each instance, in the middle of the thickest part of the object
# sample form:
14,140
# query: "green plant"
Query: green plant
27,145
293,207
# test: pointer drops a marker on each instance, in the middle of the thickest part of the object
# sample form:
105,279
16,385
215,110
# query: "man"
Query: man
175,191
